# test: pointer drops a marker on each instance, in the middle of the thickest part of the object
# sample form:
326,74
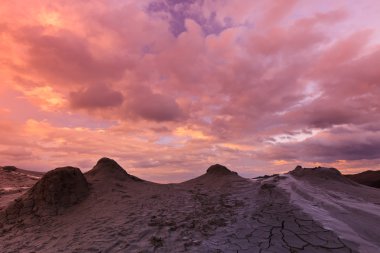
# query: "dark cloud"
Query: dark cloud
340,143
96,96
144,103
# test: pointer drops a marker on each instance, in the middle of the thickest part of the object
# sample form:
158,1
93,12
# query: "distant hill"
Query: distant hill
369,178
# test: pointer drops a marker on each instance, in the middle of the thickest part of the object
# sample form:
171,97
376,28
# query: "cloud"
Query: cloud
144,103
177,12
277,11
66,57
176,85
96,96
16,153
348,143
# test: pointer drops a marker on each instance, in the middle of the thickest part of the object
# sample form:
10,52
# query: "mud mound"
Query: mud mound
55,191
317,171
107,168
8,168
319,174
219,170
61,187
216,177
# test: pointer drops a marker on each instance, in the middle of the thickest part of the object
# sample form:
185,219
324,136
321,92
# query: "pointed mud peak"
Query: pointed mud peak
219,170
105,161
107,168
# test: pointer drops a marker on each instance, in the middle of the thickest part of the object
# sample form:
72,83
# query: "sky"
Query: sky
169,87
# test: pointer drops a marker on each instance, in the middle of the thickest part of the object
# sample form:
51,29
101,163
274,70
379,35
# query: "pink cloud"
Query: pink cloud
66,58
338,143
189,83
277,11
144,103
96,96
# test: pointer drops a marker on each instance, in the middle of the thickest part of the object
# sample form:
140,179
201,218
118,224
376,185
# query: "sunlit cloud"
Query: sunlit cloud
45,97
50,18
168,87
190,133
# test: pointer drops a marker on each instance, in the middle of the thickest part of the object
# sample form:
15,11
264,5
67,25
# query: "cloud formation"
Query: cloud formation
169,87
96,96
144,103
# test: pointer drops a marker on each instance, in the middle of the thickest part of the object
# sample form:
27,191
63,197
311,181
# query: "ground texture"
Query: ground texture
216,212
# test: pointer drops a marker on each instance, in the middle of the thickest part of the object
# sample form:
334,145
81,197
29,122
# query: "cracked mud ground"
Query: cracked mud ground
270,223
228,214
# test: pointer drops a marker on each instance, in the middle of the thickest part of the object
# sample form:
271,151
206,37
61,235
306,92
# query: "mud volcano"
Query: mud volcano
320,174
55,191
219,170
106,169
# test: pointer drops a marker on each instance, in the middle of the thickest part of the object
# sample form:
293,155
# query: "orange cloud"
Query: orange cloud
258,86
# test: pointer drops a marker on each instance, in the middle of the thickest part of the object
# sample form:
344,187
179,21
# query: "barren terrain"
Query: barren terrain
108,210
